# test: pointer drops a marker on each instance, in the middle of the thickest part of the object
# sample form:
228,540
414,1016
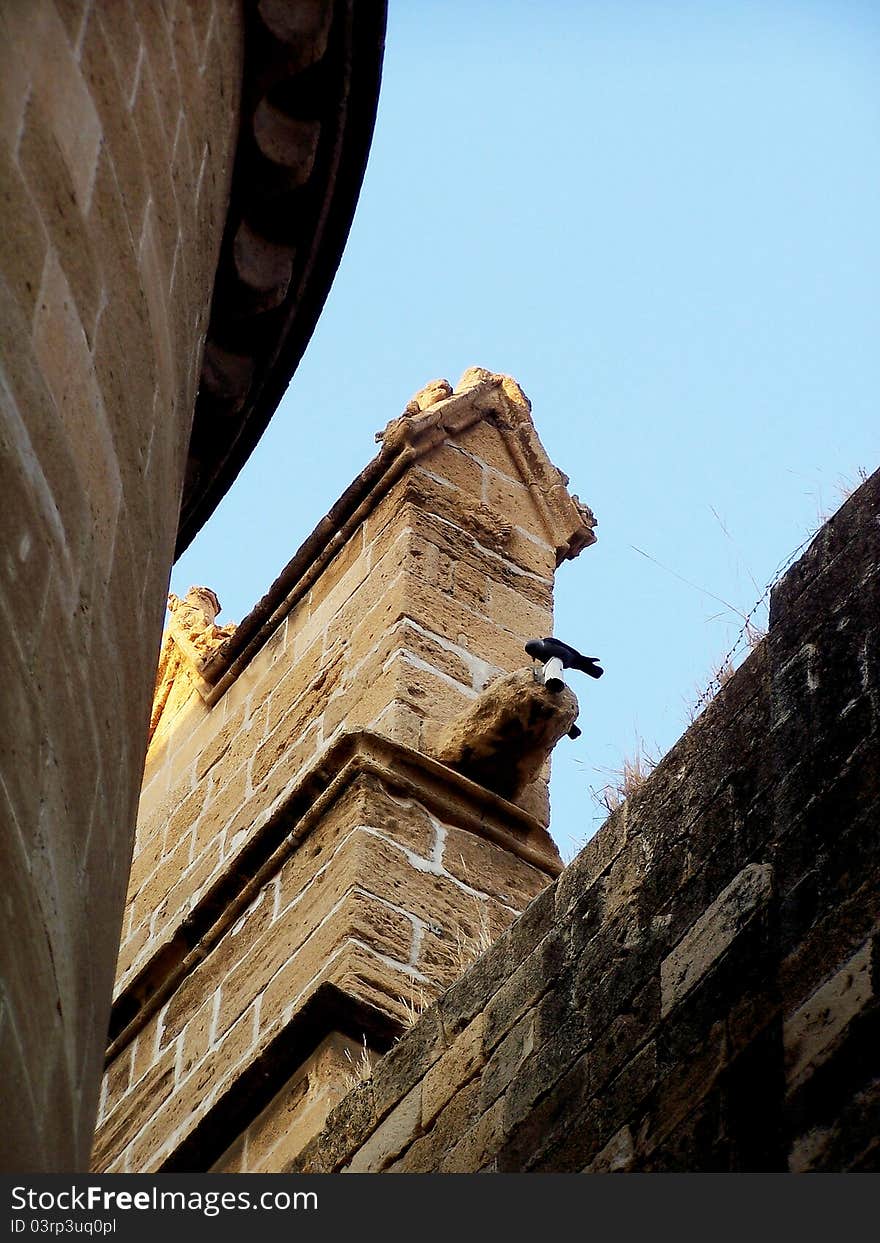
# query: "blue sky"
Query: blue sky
661,218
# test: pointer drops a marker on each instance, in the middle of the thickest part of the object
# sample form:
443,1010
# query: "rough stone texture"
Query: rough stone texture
116,162
698,990
505,737
428,396
303,865
299,1110
371,877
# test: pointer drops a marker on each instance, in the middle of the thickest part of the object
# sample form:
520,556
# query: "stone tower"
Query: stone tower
345,797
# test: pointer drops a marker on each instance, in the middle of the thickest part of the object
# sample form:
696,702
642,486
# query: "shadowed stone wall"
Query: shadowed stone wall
117,126
698,990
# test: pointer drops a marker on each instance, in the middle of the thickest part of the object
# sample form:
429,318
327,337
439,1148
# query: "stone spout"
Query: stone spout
506,735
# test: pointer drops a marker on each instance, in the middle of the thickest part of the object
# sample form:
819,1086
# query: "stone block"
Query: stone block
292,758
483,865
64,490
448,463
439,613
397,818
18,78
461,1113
408,1060
419,1158
282,1129
142,1054
432,694
444,547
615,1042
24,251
617,1157
813,1032
524,987
330,912
61,349
185,895
111,99
459,1064
515,501
317,851
124,1123
233,1159
681,1089
530,1126
196,1038
124,42
447,658
391,1136
358,583
217,747
302,687
507,1059
182,1110
477,536
478,1146
374,979
65,94
228,795
61,197
485,442
510,611
348,1125
116,1083
133,944
714,932
361,702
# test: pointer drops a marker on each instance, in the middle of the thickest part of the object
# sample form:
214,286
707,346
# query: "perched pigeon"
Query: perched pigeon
554,649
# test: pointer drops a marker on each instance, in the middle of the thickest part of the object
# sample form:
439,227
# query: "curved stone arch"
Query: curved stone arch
309,94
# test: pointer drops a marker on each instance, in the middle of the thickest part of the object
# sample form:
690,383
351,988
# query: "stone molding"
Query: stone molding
439,789
308,105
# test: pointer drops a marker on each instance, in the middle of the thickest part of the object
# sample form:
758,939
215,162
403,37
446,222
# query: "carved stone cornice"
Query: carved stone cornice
308,105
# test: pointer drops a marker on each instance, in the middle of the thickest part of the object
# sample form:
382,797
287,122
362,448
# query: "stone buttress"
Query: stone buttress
315,858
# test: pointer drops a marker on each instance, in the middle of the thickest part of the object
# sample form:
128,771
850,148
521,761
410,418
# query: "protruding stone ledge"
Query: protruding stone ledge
443,792
329,1009
508,733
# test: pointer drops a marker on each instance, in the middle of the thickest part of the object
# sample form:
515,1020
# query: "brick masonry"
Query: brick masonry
296,842
115,173
698,991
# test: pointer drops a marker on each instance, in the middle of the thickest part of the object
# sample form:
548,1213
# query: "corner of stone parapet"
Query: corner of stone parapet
440,412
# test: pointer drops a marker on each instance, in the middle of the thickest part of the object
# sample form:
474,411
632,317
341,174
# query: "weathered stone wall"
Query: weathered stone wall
698,991
117,124
283,856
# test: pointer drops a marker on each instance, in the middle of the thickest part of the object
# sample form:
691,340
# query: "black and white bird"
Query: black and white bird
555,656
